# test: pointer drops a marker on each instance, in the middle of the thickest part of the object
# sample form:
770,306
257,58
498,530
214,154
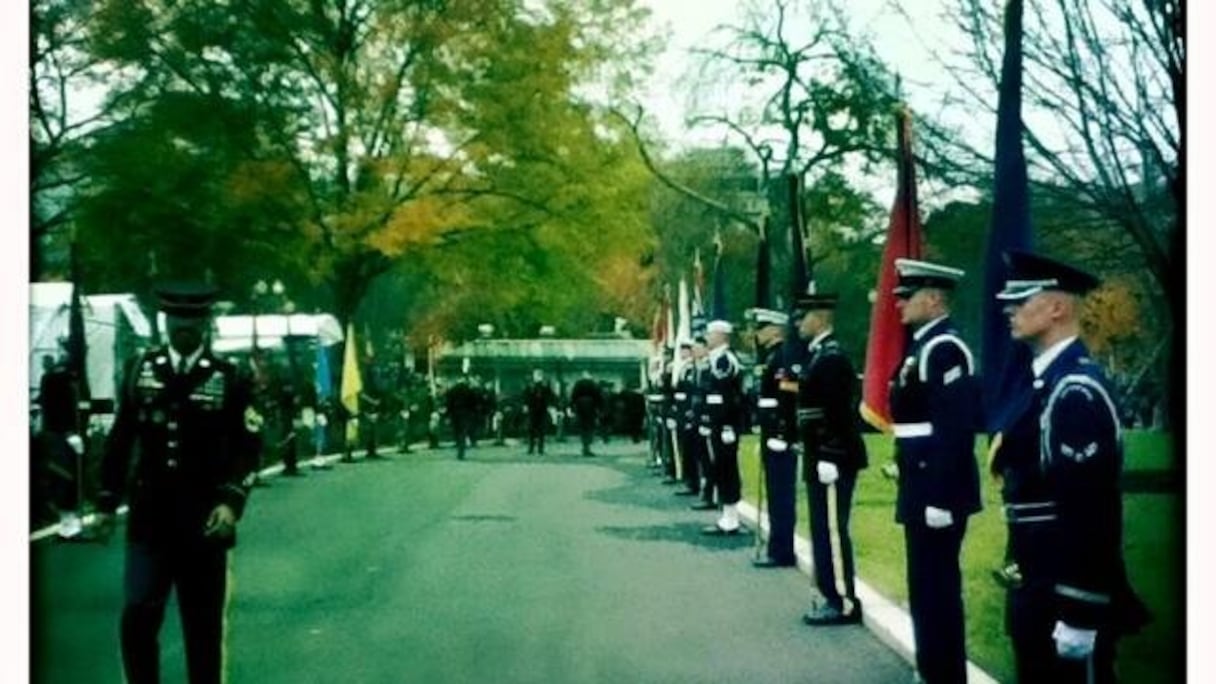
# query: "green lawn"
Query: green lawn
1153,543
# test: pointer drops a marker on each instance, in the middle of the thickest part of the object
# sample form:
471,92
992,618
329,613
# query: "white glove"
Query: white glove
728,435
671,423
76,443
938,518
776,444
828,472
703,431
1072,642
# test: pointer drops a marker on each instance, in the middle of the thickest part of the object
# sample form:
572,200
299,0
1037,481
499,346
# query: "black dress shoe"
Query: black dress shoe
830,615
688,492
294,472
704,506
772,563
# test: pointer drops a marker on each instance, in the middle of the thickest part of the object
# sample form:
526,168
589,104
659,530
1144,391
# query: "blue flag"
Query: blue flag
325,380
1005,362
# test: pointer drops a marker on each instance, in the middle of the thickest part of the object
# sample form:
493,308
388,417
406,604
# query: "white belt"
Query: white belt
766,402
681,396
713,399
912,429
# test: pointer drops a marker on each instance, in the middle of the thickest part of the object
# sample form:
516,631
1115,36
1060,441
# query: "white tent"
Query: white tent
114,326
236,333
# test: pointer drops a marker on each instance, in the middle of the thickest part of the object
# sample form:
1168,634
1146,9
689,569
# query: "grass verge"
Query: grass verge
1153,543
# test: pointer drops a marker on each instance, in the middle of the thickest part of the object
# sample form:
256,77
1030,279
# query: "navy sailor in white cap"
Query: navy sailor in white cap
776,406
724,406
934,406
1059,454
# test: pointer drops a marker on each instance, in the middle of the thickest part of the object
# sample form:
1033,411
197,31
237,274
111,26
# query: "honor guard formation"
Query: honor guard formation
1057,452
184,450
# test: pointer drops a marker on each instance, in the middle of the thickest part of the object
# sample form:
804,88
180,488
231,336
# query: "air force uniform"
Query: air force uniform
934,405
1060,456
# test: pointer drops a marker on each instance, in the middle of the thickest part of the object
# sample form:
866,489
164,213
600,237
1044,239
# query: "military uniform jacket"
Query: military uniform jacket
826,409
1061,456
685,397
777,400
586,398
723,383
934,406
196,440
537,399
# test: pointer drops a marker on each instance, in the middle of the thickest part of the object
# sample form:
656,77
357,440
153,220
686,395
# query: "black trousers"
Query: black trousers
709,468
586,431
1031,620
288,451
821,536
689,460
200,576
726,466
461,425
536,432
780,488
935,596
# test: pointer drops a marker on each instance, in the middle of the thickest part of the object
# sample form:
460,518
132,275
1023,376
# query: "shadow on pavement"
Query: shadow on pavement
685,532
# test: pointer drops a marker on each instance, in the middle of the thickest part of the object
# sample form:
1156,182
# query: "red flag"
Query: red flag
698,283
885,347
658,330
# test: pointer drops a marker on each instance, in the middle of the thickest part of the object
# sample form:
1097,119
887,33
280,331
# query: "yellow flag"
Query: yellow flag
352,384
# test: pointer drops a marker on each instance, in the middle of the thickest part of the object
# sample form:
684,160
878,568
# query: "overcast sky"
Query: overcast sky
692,23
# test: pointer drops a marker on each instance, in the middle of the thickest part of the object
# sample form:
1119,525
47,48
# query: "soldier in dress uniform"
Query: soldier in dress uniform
538,397
934,399
775,408
724,407
654,410
587,400
684,420
185,417
1059,454
461,402
701,444
833,455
